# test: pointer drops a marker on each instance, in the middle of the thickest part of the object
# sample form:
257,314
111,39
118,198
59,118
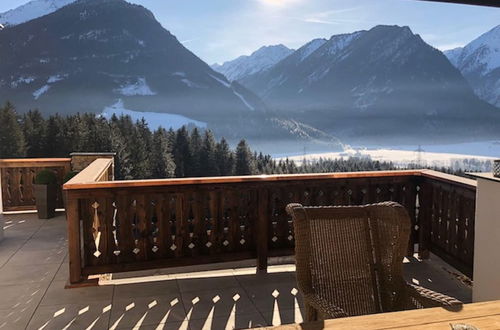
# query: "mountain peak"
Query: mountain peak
31,10
261,59
479,62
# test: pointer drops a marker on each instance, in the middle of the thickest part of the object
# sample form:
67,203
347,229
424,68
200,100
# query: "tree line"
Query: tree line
142,153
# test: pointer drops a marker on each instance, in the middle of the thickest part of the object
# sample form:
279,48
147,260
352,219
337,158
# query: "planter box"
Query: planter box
45,197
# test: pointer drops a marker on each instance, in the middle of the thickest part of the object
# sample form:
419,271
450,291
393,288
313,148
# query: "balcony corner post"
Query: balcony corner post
74,241
263,229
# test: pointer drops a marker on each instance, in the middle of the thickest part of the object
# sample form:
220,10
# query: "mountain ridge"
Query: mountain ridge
479,62
258,61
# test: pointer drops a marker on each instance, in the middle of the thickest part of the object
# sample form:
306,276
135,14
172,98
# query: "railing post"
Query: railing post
73,219
262,229
425,214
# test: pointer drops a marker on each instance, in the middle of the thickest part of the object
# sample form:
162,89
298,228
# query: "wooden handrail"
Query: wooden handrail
91,174
33,162
92,184
71,185
457,180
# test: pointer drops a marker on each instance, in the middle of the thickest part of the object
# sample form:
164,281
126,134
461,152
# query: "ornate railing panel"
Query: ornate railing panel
117,226
18,177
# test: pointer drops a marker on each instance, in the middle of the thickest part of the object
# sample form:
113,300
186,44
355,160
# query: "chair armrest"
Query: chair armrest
429,298
324,307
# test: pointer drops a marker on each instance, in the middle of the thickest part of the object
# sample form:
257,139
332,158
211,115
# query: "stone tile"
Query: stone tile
228,322
282,316
15,297
10,244
217,303
28,257
74,316
27,274
13,319
58,295
184,325
146,289
286,296
39,244
266,279
146,311
201,284
63,272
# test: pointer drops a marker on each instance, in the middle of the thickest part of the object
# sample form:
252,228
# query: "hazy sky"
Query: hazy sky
220,30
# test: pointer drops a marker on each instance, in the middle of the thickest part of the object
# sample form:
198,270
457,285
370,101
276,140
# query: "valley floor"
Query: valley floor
468,156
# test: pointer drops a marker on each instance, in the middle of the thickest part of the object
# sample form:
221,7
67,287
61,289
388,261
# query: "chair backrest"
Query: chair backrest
352,255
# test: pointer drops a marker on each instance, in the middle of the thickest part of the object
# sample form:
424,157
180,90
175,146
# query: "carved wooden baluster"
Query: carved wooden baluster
173,223
21,185
154,227
243,218
135,228
96,224
274,217
116,230
163,225
206,223
190,222
213,242
225,220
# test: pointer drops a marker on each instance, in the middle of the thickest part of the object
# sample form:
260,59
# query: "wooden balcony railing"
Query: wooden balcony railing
18,176
132,225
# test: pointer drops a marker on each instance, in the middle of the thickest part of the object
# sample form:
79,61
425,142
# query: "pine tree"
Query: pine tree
244,160
224,158
181,152
194,165
207,155
12,143
54,139
140,145
34,127
162,163
123,163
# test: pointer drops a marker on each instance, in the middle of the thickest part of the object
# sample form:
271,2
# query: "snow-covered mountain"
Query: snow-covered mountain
479,62
88,57
261,59
366,82
31,10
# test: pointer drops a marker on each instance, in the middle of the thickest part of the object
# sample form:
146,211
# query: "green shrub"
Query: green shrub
45,177
69,176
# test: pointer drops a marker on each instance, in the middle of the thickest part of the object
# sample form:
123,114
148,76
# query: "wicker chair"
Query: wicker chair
349,261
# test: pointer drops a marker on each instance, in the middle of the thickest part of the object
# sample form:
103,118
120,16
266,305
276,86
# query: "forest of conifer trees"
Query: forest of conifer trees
145,154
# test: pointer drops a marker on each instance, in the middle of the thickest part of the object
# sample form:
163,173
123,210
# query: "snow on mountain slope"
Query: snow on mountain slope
481,55
261,59
453,55
154,119
479,62
310,48
32,10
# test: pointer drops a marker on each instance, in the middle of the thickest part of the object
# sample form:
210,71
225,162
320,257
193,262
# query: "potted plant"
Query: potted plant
67,177
45,189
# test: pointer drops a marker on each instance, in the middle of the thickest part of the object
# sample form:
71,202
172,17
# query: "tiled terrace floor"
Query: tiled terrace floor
33,272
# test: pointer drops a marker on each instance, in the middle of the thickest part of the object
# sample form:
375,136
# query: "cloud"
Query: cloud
188,41
330,17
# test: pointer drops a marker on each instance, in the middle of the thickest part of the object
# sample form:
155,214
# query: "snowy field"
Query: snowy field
453,155
154,119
